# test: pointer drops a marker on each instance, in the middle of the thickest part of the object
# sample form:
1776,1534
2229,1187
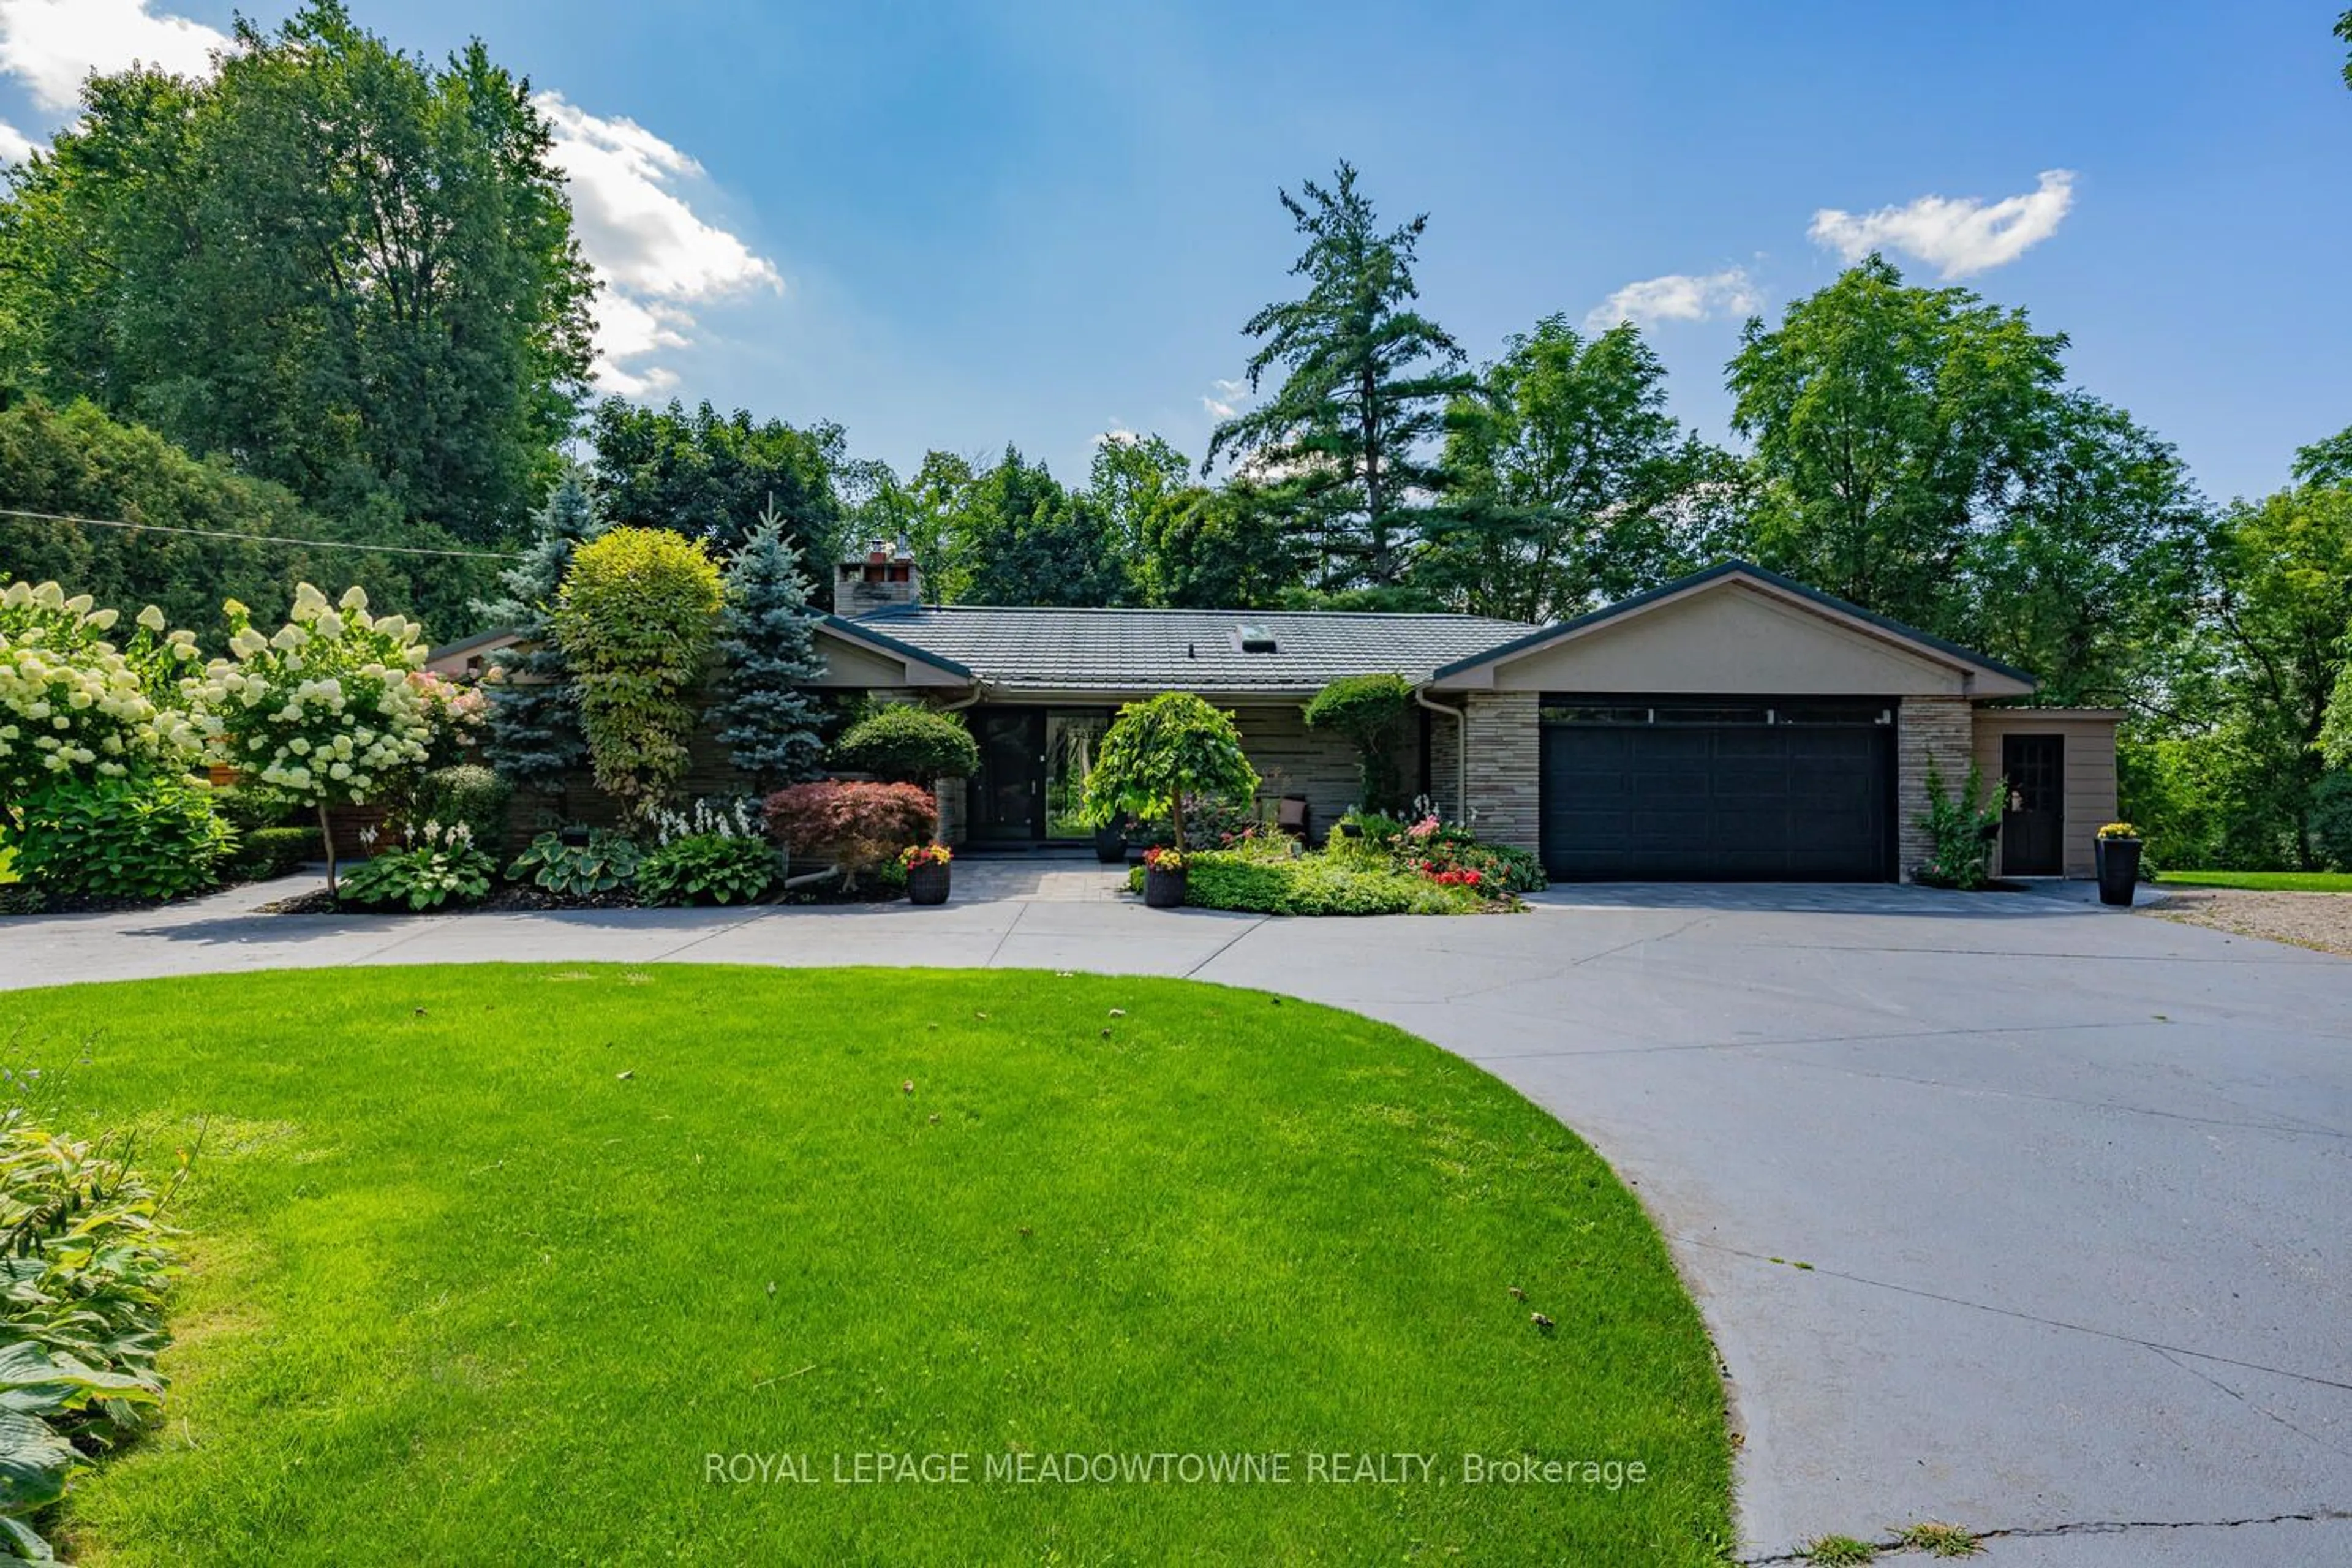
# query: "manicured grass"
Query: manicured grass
488,1260
2260,881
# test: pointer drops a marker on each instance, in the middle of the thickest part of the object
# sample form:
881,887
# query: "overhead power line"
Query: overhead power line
260,538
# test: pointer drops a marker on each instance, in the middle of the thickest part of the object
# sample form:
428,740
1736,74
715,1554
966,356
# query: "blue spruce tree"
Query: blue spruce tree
534,707
767,651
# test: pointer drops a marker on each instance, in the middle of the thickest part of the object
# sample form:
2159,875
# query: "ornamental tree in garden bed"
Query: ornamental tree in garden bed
767,652
859,824
635,619
1162,750
323,711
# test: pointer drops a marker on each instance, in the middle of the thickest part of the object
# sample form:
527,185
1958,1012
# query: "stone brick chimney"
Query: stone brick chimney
877,578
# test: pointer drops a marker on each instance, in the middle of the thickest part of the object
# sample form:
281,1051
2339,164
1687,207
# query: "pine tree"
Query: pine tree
1345,446
767,649
535,735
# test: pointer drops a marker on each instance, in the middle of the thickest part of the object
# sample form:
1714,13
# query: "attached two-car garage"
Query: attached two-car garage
1717,789
1730,726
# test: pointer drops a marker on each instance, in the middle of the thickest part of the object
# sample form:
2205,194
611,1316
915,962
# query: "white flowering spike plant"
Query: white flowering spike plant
323,709
74,703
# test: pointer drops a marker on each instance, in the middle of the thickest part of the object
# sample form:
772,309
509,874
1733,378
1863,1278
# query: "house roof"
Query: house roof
1134,650
1948,652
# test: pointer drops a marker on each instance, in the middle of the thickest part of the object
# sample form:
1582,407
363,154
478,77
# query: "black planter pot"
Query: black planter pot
2119,863
927,884
1110,844
1163,889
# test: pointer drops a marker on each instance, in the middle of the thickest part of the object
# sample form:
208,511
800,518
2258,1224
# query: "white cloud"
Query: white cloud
652,254
1678,297
1959,234
15,145
54,44
1226,397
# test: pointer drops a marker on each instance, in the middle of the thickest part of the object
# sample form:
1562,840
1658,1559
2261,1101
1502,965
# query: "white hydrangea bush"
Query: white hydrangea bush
325,710
74,704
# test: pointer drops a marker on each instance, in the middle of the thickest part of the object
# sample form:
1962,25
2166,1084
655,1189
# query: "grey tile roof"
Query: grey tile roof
1190,650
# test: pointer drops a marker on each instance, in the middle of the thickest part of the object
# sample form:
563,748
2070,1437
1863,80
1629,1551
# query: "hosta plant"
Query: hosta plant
85,1264
322,711
435,866
714,853
605,863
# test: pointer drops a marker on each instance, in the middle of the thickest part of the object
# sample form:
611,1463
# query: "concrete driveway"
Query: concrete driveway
2004,1210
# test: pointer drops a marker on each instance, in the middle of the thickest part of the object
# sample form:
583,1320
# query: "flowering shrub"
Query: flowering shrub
856,825
1449,877
72,702
435,866
914,855
323,711
455,716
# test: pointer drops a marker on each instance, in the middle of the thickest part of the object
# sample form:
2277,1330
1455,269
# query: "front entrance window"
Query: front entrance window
1072,738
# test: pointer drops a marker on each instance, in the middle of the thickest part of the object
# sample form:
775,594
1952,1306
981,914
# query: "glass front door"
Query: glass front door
1007,797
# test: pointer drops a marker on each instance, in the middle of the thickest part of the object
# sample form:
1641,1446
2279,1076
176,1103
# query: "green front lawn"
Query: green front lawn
2260,881
489,1263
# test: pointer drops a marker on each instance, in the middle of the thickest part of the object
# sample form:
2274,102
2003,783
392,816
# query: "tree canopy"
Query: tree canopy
343,267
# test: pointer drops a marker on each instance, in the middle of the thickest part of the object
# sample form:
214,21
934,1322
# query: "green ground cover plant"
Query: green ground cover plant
486,1261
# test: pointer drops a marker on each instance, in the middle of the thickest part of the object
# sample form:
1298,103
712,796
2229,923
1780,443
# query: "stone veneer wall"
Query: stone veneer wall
1506,768
1445,765
1943,729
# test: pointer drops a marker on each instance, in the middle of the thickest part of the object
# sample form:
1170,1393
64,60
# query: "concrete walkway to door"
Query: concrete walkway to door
2004,1210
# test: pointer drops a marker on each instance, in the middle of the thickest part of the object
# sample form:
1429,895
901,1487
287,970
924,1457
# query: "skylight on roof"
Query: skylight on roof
1254,637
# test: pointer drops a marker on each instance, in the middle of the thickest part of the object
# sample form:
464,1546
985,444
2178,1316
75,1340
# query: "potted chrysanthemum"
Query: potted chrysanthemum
926,865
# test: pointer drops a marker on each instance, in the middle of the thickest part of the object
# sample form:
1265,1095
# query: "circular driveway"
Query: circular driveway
2004,1210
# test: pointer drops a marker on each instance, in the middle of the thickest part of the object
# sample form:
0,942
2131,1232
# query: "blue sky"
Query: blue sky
957,225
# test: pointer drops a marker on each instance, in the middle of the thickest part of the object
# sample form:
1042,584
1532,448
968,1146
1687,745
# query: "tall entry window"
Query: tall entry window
1072,736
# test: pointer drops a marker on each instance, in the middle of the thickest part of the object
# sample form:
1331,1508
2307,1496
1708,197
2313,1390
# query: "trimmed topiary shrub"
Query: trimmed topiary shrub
262,853
856,825
906,743
634,618
1370,710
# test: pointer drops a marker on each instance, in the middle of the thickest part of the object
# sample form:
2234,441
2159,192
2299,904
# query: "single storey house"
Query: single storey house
1729,725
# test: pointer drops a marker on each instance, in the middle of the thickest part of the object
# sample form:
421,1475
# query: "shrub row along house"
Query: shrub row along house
1729,725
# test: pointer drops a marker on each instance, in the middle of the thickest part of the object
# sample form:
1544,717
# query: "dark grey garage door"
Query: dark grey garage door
1719,792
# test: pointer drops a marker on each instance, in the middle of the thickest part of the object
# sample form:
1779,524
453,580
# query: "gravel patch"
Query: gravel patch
2322,920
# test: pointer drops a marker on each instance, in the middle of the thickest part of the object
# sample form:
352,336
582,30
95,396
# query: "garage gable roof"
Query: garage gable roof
1924,644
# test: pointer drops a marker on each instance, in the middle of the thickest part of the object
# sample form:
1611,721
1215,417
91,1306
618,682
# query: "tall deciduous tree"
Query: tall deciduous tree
1346,440
1885,420
711,476
767,655
1570,484
340,266
1134,480
535,734
1017,537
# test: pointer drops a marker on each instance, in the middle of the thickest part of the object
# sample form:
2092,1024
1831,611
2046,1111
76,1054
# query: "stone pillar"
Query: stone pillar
1941,728
1506,768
